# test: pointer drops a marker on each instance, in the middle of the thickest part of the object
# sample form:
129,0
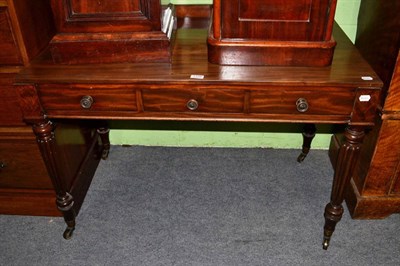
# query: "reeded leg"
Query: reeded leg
308,135
44,131
347,159
104,133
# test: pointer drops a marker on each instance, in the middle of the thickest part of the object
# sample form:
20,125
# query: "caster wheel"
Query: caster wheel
68,233
105,153
301,157
325,244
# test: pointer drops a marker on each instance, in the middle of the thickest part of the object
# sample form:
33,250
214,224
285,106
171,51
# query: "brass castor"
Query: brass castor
301,157
68,233
105,153
325,244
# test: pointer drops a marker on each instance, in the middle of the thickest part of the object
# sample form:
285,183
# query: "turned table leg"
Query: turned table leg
44,131
347,159
308,135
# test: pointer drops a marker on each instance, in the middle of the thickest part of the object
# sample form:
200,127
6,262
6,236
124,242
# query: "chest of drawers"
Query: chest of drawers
25,188
26,28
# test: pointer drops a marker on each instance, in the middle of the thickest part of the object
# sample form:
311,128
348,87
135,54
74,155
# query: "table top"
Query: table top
190,65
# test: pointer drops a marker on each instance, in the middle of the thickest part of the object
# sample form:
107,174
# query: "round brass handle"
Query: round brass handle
302,105
2,165
86,102
192,105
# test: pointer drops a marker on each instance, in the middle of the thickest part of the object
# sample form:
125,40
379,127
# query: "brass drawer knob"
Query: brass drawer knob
302,105
2,165
86,102
192,105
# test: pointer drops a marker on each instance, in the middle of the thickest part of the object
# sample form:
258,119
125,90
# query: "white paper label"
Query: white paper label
197,76
365,98
367,78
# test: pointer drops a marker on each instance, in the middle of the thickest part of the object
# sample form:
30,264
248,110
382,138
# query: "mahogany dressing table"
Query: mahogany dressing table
191,89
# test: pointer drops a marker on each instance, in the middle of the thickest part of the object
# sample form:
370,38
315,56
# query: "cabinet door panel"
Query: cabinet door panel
283,20
286,10
22,165
392,102
106,15
90,7
9,53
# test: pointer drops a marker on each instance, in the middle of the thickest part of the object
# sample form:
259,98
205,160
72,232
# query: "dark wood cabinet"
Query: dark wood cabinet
26,27
272,32
374,191
111,31
375,187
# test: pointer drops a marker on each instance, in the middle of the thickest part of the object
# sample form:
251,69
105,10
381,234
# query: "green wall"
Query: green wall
186,134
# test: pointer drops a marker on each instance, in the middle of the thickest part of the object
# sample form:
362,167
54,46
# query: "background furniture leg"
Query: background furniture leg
308,135
104,133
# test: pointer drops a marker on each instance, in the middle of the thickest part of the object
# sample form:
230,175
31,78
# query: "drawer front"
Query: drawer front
321,102
194,100
9,53
88,98
22,165
255,102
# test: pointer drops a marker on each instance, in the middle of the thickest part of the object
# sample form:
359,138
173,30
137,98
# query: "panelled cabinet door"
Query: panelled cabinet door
9,52
284,20
26,28
106,15
392,104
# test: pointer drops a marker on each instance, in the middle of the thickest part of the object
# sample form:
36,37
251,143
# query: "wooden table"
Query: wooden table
191,89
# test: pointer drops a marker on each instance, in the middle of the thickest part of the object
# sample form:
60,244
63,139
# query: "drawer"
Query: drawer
195,100
327,101
88,98
22,165
9,52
